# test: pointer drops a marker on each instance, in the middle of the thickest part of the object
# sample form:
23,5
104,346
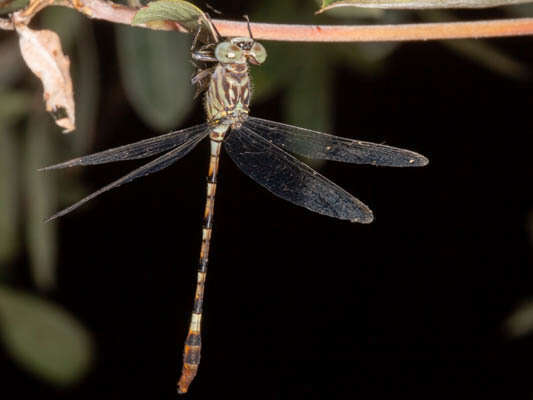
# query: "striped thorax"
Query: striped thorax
228,94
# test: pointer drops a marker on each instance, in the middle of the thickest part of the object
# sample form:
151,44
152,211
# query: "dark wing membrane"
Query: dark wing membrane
133,151
317,145
287,177
149,168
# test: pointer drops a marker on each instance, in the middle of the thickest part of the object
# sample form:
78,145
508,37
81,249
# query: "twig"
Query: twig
100,9
380,33
104,10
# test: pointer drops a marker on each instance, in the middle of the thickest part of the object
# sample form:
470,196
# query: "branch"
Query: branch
379,33
104,10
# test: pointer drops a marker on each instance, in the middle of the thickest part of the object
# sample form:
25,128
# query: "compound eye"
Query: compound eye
228,53
258,52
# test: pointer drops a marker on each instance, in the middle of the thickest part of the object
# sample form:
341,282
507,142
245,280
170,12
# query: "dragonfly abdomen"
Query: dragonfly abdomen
193,342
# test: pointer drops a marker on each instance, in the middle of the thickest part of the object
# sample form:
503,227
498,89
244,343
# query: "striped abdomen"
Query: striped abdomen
193,342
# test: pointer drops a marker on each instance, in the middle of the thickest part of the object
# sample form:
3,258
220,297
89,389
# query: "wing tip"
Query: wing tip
363,218
413,159
67,164
368,220
53,217
419,161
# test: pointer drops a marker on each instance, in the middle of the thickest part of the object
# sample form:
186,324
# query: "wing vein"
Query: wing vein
290,179
318,145
153,166
142,149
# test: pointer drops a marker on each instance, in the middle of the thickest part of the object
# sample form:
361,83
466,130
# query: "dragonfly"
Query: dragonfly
264,150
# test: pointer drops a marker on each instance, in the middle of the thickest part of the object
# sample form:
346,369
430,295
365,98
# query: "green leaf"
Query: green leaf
310,105
520,322
520,10
156,74
279,69
275,73
183,12
489,56
15,106
367,58
355,13
63,21
42,240
12,67
8,6
417,4
9,204
85,73
481,52
44,338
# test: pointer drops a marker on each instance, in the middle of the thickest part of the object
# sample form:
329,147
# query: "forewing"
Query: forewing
318,145
142,149
149,168
288,178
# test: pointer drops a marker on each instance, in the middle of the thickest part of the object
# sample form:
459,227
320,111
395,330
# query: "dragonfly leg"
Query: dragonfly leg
205,73
203,57
193,342
213,29
196,35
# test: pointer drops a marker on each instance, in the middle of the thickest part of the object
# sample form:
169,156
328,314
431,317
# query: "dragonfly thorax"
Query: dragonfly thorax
227,98
228,88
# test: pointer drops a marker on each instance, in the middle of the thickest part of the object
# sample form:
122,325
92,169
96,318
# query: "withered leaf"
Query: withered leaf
43,54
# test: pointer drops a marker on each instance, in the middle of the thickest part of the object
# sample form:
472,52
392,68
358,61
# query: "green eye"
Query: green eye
227,52
259,53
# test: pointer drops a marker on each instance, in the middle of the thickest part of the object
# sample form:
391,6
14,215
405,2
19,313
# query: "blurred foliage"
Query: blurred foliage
8,6
9,202
43,338
520,322
307,86
41,238
155,73
39,336
478,51
520,10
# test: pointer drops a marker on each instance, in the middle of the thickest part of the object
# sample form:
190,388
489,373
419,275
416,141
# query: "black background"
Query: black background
301,306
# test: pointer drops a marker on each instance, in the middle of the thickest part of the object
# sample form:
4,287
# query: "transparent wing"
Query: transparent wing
287,177
317,145
141,149
149,168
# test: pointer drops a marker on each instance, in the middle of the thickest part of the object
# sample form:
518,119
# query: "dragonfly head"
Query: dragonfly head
240,50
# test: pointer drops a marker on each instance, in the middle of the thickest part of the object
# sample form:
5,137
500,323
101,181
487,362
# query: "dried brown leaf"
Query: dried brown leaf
43,54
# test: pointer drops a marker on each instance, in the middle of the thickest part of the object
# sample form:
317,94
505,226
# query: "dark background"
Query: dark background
299,305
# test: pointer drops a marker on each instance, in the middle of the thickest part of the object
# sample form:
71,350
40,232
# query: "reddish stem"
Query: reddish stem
380,33
101,9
